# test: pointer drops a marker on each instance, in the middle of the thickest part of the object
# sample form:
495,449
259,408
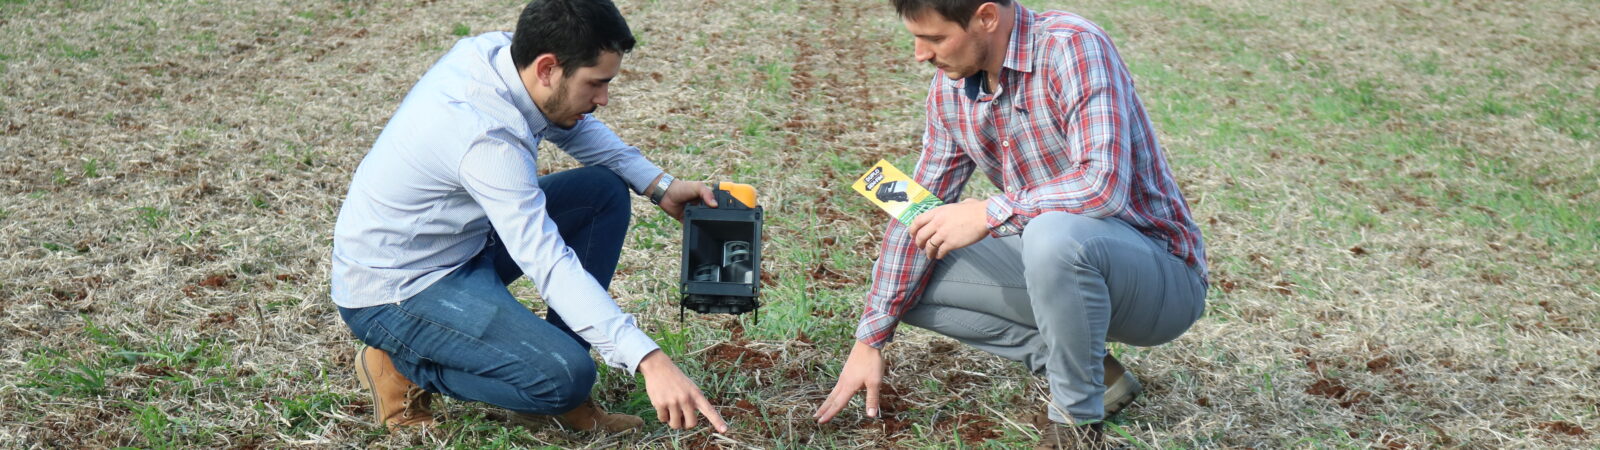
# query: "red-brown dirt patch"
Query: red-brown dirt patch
736,354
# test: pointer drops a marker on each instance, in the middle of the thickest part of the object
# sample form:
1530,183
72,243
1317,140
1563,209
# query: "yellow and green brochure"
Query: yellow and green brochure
896,193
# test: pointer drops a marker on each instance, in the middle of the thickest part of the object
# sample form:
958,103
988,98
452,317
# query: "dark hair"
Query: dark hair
958,11
574,30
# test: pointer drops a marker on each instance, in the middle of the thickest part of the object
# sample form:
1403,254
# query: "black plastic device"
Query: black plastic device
721,270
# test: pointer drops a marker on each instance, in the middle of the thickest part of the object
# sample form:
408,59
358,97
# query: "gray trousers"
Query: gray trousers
1053,296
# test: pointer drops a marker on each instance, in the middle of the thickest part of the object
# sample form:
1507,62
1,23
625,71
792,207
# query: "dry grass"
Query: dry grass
1399,199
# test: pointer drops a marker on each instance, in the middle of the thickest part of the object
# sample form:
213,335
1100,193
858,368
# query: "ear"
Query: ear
987,17
546,68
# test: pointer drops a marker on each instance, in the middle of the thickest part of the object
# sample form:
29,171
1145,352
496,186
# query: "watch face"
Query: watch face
661,188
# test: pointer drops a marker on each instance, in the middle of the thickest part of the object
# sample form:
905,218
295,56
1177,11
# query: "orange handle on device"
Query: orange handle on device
744,192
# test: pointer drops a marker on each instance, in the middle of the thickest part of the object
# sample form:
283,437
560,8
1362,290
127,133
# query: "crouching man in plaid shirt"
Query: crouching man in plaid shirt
1090,242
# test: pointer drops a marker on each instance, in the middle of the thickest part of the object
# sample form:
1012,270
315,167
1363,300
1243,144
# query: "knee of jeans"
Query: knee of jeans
919,316
610,190
1057,238
582,385
571,377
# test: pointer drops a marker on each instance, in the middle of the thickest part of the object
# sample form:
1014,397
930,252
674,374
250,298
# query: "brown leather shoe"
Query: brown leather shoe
587,416
397,401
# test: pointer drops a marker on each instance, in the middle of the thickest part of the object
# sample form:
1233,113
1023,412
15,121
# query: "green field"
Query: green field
1400,202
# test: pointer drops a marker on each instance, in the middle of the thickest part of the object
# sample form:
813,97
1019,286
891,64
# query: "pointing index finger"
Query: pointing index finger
711,414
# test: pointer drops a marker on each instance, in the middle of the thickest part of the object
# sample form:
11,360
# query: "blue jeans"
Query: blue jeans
465,336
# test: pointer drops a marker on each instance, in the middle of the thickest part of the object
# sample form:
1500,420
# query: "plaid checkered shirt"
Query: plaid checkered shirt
1065,131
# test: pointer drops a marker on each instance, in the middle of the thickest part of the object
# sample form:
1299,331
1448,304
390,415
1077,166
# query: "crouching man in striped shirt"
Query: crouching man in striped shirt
448,208
1090,241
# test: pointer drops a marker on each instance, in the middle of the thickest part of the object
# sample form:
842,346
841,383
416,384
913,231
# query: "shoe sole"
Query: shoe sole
364,376
1122,393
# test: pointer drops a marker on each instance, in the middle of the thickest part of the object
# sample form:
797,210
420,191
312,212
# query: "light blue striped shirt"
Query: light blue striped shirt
460,154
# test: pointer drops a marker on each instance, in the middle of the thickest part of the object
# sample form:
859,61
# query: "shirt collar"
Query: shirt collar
1019,53
507,69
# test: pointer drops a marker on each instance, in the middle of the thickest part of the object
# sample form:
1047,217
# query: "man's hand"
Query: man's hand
681,193
864,370
675,397
947,228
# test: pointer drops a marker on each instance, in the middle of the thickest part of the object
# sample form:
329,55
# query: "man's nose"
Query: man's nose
921,51
603,97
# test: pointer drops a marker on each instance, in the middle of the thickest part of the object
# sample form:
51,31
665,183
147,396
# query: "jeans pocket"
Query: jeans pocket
466,314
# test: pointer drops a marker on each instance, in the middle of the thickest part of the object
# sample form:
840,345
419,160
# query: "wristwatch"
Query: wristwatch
661,188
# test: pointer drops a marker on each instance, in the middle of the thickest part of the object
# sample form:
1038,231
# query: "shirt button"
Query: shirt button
1006,144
